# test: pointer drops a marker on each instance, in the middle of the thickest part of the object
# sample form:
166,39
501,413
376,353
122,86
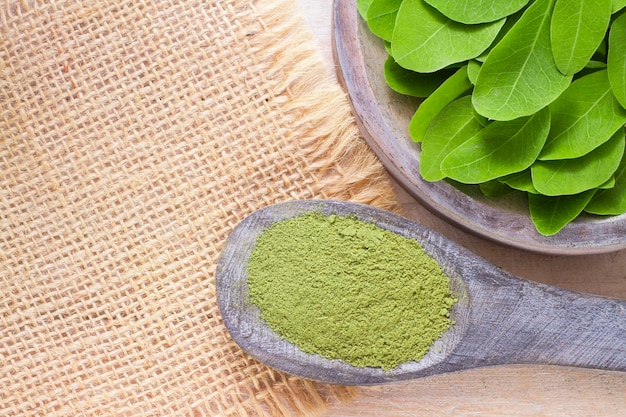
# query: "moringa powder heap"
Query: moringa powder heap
347,289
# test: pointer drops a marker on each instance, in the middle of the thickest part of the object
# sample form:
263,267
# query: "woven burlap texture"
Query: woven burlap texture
134,135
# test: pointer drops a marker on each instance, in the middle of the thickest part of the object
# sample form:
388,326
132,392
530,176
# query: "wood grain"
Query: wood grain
383,117
500,319
507,391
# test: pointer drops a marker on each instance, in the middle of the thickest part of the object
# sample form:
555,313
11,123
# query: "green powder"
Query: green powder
349,290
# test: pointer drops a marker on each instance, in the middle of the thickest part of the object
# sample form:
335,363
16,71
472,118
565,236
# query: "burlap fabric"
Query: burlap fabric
134,135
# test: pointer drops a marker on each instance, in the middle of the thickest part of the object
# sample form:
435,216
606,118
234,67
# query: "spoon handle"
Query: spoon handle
515,321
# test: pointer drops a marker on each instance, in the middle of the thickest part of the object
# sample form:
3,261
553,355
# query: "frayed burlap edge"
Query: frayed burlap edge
344,165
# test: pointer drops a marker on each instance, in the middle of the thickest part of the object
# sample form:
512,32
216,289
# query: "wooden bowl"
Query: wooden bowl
383,117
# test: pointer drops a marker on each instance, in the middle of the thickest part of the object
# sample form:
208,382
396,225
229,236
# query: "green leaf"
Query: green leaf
494,189
477,11
480,118
600,54
617,5
519,76
424,40
454,87
573,176
591,67
551,214
473,68
577,30
595,65
616,60
609,184
412,83
611,201
521,181
362,6
585,116
510,22
451,127
381,17
499,149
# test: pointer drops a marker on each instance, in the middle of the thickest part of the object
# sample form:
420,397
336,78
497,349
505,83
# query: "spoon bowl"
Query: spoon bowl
499,318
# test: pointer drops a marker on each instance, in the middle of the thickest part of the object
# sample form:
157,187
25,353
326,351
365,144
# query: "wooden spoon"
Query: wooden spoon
500,319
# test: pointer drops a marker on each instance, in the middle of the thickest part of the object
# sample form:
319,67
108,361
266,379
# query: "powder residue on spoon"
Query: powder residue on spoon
347,289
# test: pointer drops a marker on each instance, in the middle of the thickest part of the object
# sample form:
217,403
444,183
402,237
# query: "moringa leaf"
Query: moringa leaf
609,184
521,181
600,53
412,83
577,30
590,67
454,87
586,115
519,76
480,118
595,65
611,201
616,60
494,189
618,5
424,40
381,17
451,127
477,11
573,176
499,149
473,68
551,214
510,22
362,6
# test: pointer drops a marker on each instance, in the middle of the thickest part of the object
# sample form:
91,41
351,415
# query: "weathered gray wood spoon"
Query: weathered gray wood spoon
500,319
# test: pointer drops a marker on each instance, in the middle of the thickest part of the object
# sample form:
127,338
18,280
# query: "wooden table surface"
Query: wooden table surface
499,391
